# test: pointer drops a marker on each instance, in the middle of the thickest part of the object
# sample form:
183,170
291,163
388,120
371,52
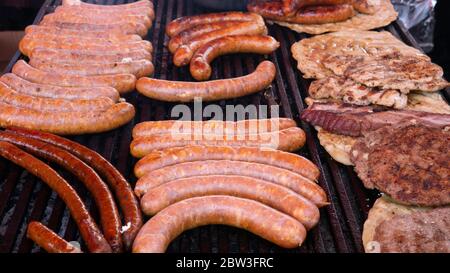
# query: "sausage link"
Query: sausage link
147,12
121,82
67,123
57,92
9,96
122,28
290,7
184,53
174,91
268,223
140,68
298,183
290,139
76,38
88,229
180,24
270,194
171,156
48,240
122,189
135,5
241,127
87,57
188,34
109,216
200,67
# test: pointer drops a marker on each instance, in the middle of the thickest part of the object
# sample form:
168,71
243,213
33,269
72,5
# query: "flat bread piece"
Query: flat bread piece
310,52
391,227
384,15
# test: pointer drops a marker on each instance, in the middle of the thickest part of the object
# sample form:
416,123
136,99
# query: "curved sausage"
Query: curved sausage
307,15
241,127
184,53
122,189
298,183
109,216
87,57
290,7
270,194
290,139
11,97
140,68
67,123
88,229
270,224
171,156
180,24
48,240
121,82
122,28
57,92
111,35
175,91
31,41
200,67
183,37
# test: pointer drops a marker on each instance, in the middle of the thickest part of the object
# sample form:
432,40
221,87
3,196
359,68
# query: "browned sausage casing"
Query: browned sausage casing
174,91
122,28
121,82
290,7
122,190
111,35
57,92
140,68
88,229
167,157
200,67
180,24
67,123
241,127
290,139
147,12
49,240
109,216
184,53
9,96
76,38
135,5
270,194
270,224
294,181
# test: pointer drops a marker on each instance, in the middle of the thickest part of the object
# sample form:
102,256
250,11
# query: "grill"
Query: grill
24,198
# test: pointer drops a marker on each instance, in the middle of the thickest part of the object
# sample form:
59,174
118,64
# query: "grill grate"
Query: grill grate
23,198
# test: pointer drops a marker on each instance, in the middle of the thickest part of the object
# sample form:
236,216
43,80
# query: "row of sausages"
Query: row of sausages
23,147
82,58
198,40
183,185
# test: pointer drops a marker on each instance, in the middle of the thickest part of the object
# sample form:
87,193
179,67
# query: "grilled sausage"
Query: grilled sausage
122,190
200,67
57,92
290,139
184,53
88,229
298,183
307,15
11,97
180,24
183,37
270,194
290,7
168,157
122,28
48,240
87,57
111,35
76,38
270,224
174,91
109,216
135,5
241,127
67,123
30,42
147,12
140,68
121,82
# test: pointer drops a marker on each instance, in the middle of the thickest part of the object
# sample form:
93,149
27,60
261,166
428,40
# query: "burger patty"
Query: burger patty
408,162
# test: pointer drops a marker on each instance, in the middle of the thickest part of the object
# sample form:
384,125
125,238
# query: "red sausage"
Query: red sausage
290,7
49,240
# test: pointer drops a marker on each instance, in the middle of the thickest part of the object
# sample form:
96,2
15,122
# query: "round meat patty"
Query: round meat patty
409,163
